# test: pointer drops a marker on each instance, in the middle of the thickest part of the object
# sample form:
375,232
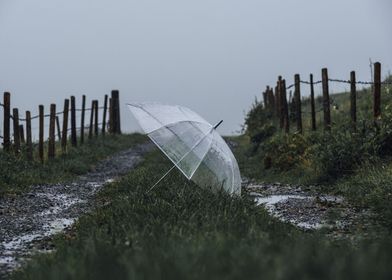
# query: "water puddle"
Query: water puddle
304,211
273,199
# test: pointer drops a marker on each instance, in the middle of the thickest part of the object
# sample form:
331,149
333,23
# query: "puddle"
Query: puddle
59,225
302,206
304,211
273,199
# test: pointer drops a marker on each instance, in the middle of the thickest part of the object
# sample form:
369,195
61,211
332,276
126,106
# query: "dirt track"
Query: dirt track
28,221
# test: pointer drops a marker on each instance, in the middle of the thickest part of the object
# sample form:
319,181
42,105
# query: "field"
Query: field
355,164
182,231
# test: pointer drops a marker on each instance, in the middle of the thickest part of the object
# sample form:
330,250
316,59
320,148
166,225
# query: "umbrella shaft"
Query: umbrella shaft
218,124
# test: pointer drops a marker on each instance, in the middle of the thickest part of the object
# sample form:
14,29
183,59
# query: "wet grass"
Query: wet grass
179,231
357,165
17,173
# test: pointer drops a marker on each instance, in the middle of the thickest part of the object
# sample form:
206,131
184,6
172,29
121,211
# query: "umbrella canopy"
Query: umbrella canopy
191,143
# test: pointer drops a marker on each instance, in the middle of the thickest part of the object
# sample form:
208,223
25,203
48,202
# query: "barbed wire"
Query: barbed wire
57,114
340,81
69,129
347,82
290,86
308,83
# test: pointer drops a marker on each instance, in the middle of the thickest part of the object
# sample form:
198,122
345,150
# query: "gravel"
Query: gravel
28,221
309,209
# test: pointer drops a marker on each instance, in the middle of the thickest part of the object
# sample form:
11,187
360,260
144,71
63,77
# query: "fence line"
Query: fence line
111,124
340,81
273,101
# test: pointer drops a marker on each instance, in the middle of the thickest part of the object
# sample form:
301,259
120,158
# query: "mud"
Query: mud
308,209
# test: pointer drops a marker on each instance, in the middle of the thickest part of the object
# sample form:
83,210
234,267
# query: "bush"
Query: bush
258,123
337,153
286,151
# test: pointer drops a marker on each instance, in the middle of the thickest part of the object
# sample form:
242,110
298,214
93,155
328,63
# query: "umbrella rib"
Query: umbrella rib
176,164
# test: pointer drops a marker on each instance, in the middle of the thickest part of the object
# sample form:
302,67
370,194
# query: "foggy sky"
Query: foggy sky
213,56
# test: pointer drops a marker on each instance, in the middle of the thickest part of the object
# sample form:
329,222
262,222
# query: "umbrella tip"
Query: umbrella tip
218,124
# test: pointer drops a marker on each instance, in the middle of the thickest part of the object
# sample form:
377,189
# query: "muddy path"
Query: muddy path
28,221
307,208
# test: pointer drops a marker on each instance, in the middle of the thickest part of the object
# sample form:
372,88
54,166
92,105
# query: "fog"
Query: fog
212,56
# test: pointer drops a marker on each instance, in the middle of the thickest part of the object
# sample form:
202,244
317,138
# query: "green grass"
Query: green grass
17,173
180,231
356,165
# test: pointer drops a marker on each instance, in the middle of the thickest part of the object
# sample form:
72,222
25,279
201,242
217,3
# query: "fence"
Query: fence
276,102
110,123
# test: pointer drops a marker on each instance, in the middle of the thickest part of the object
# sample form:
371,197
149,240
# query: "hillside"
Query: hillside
355,164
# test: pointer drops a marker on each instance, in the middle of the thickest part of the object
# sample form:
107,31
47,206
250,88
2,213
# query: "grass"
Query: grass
356,165
180,231
17,173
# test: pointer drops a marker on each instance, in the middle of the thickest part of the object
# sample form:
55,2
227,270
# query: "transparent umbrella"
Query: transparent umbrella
191,143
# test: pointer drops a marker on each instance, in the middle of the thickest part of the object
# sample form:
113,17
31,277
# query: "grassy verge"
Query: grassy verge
16,173
179,231
354,163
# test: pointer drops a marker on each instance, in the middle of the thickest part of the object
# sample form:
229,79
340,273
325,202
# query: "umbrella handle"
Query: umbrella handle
161,178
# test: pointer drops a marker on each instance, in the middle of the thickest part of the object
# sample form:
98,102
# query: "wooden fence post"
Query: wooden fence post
90,129
110,116
21,134
64,136
6,120
377,91
15,116
353,100
52,132
96,118
41,133
277,101
73,122
118,116
105,105
29,143
326,103
298,110
82,119
285,112
265,98
116,112
281,102
271,101
312,104
58,128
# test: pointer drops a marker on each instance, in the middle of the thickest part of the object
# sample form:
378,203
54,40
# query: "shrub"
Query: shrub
286,151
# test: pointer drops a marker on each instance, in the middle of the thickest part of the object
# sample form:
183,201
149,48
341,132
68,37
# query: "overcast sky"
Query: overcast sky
213,56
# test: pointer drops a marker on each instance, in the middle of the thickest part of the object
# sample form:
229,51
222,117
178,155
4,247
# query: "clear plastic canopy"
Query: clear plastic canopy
191,143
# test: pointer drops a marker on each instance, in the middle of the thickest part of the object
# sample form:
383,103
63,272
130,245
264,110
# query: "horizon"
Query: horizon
213,57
